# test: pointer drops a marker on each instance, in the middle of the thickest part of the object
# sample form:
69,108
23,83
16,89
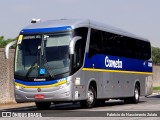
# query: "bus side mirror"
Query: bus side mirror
72,44
6,52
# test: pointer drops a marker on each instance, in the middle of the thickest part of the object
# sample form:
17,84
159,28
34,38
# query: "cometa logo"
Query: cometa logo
113,63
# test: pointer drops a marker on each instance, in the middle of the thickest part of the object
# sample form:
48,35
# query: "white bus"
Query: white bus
80,61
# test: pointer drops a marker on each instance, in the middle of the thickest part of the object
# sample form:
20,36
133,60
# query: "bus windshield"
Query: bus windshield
40,56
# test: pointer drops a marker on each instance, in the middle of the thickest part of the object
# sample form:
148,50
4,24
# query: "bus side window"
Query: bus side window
112,44
95,43
138,53
145,50
129,47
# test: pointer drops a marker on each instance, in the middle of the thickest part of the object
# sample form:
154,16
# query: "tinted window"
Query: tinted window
117,45
95,43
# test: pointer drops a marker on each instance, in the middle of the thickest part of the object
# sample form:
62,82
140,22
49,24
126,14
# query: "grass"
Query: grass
156,89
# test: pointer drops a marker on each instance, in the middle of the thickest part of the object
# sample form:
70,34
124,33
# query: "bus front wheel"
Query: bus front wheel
91,97
43,105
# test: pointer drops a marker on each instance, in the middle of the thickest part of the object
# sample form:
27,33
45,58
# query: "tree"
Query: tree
156,55
4,42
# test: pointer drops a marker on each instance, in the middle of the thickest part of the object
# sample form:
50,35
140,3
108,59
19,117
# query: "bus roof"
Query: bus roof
76,23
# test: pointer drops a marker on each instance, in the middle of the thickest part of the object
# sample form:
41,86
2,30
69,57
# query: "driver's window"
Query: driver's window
79,50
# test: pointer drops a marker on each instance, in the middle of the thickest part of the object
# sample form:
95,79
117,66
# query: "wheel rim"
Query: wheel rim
90,97
136,94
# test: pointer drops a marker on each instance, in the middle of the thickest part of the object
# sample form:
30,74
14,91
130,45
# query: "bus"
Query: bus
73,60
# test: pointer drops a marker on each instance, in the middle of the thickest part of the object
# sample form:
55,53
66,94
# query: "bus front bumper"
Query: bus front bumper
43,94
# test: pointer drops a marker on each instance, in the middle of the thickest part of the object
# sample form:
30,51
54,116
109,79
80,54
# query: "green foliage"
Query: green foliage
156,55
156,88
4,42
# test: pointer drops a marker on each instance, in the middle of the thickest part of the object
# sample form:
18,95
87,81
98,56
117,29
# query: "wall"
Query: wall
6,77
156,76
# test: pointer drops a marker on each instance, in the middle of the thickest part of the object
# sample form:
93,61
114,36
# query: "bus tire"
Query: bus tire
91,98
43,105
135,98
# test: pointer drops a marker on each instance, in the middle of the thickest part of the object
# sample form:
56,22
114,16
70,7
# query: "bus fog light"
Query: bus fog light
18,87
68,83
67,94
77,81
61,87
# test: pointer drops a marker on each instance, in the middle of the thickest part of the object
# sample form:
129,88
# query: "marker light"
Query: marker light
35,20
77,81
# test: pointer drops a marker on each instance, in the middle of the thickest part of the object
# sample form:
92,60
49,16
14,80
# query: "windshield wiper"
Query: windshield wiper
34,65
61,73
47,67
43,56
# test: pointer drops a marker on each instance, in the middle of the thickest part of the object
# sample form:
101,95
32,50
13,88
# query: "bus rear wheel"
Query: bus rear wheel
43,105
91,97
135,98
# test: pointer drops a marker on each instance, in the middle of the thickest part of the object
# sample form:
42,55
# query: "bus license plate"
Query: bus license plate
39,96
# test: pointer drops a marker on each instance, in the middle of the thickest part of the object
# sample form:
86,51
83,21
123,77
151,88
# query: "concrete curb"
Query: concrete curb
156,93
15,105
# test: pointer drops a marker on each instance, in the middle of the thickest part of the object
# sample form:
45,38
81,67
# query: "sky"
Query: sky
140,17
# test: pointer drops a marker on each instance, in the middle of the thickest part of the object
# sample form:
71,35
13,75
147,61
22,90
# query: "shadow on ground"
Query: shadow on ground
66,106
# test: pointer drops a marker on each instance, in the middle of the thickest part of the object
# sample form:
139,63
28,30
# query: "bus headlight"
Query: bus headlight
64,85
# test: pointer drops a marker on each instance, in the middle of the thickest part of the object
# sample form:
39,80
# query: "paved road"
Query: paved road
114,108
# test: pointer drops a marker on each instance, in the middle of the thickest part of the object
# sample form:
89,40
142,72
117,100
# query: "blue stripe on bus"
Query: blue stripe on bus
37,83
101,61
45,30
